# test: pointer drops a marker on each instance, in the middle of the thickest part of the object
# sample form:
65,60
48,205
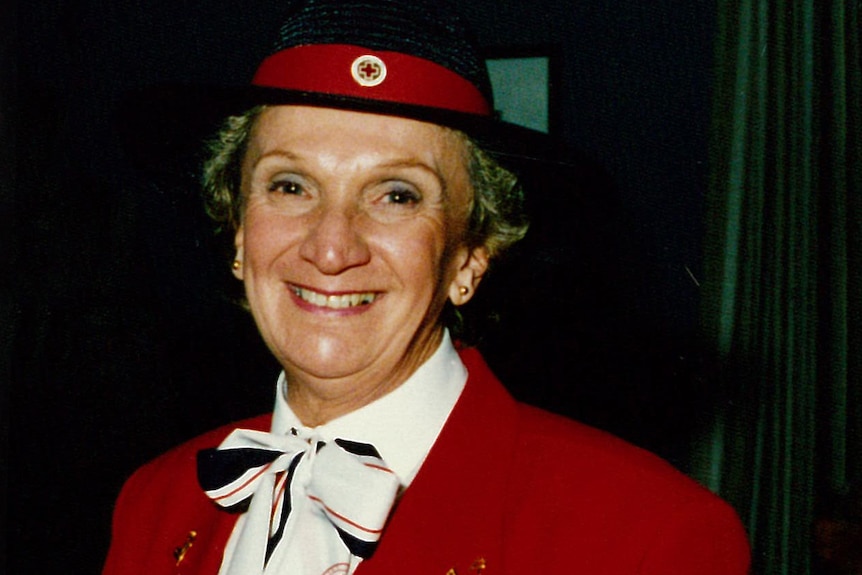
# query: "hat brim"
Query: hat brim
163,128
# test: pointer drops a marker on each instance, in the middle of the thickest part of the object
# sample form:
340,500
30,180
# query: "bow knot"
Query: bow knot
346,482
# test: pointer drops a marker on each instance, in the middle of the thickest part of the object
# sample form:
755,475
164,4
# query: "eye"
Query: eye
402,195
287,187
397,199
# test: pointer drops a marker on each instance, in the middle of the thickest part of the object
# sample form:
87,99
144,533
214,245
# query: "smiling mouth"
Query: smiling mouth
342,301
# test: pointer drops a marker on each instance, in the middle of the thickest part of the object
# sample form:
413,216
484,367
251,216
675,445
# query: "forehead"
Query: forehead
345,135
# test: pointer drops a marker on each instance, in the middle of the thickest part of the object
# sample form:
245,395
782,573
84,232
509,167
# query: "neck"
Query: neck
317,401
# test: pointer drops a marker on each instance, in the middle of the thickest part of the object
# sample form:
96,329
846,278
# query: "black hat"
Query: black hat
408,58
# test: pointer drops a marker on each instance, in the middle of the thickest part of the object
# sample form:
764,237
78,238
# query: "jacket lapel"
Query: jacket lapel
450,518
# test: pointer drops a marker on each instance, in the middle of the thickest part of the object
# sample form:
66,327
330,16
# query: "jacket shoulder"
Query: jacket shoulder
161,505
184,456
608,492
598,462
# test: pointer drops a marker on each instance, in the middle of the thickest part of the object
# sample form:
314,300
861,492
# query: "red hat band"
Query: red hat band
353,71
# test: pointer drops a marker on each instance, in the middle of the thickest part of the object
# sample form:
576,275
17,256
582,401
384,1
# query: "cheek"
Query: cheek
432,259
264,236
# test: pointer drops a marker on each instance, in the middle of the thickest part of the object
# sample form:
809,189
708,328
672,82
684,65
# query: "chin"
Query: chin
326,358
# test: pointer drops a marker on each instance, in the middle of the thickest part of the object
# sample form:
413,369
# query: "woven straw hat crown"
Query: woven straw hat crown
431,30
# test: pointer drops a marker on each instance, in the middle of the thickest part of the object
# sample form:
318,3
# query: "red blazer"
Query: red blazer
507,488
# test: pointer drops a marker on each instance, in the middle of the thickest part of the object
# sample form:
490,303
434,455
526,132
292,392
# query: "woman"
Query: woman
361,206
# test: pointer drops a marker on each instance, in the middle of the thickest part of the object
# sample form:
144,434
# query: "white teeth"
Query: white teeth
334,301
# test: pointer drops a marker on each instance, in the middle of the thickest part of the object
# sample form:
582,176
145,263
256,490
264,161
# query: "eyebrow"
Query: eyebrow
394,163
274,153
408,163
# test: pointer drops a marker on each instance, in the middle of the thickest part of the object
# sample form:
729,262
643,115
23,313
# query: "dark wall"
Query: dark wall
124,342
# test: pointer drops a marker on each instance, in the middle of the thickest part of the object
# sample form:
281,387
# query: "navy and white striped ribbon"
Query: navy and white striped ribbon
349,483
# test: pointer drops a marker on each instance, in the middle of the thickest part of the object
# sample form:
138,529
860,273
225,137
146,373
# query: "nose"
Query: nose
334,243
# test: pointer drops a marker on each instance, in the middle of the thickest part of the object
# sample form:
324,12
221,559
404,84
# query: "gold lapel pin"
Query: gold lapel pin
180,552
478,566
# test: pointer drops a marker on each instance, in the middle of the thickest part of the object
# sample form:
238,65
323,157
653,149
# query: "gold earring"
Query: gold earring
463,290
236,265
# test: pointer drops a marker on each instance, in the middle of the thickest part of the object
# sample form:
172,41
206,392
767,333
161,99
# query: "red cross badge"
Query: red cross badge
368,71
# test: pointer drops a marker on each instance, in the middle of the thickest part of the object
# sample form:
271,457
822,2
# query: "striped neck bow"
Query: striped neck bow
308,504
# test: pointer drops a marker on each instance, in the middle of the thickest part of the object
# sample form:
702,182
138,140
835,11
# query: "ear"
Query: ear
237,266
474,264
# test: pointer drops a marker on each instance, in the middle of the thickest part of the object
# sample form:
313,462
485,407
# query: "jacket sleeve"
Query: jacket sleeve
126,530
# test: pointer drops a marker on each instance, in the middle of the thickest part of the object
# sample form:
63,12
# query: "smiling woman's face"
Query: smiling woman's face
351,241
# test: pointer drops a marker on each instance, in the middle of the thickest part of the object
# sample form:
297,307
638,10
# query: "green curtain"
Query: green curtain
782,300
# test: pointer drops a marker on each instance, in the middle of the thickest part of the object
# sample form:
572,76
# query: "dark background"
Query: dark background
122,341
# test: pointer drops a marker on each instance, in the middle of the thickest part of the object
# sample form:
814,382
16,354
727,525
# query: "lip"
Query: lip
343,302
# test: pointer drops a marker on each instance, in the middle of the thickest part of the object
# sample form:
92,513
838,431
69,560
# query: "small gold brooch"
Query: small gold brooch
477,567
180,552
